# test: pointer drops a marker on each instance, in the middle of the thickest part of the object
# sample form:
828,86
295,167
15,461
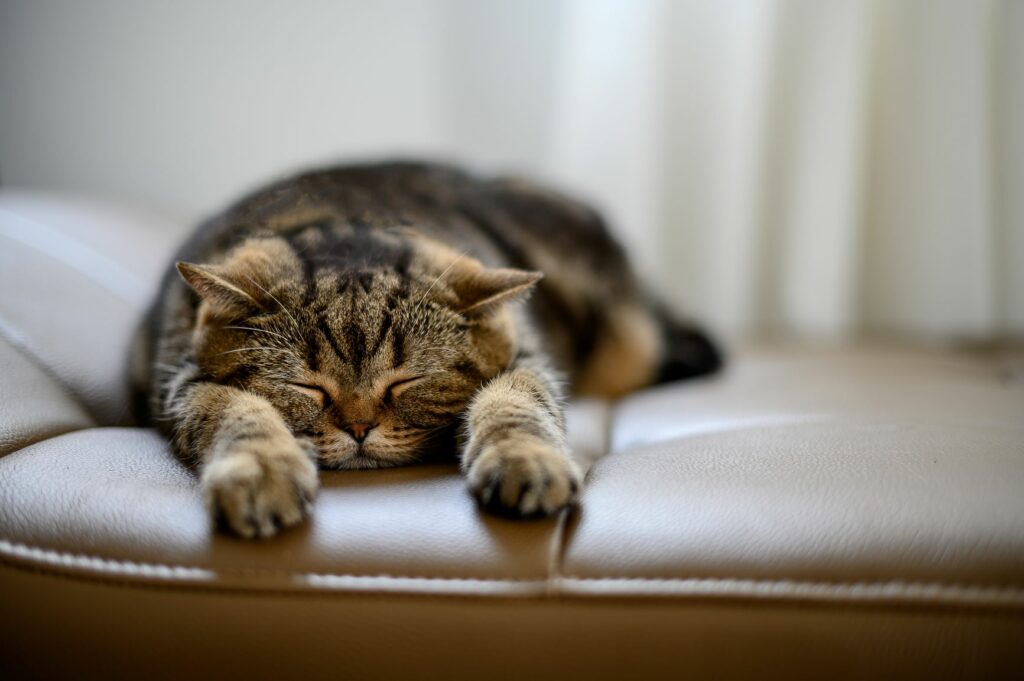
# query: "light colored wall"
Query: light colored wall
184,104
818,168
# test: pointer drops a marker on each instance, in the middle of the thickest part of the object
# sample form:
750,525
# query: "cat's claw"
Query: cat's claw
524,478
260,489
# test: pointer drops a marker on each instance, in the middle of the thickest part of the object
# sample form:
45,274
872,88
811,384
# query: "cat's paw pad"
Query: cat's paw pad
524,478
258,488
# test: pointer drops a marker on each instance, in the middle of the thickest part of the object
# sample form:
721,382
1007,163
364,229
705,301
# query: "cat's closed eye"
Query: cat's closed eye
313,391
323,398
397,387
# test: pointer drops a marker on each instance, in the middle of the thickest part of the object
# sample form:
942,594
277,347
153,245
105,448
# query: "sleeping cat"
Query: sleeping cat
372,316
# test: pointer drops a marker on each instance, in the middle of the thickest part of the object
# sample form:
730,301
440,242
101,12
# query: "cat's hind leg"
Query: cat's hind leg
637,344
626,354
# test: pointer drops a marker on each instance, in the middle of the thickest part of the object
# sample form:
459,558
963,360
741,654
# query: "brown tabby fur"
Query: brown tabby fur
360,317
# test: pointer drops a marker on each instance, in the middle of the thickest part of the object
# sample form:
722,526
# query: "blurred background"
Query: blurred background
819,169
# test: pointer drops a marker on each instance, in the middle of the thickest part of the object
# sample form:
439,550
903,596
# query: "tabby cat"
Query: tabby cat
363,317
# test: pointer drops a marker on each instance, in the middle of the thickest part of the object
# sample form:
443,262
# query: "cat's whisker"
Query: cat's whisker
442,275
426,434
263,348
274,298
249,328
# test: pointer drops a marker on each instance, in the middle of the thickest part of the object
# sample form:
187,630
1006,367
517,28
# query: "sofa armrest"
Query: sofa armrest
79,275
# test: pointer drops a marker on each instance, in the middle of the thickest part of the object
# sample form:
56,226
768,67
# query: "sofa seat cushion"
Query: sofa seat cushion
114,502
782,476
871,471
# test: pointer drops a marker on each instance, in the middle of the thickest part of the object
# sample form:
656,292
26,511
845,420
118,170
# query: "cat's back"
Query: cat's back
511,215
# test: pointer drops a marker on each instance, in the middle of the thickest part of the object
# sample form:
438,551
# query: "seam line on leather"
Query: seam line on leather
18,550
558,550
894,590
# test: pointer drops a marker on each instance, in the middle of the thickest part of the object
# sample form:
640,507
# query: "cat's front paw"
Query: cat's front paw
257,487
524,478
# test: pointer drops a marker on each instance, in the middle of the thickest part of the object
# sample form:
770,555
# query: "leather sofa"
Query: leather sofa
842,512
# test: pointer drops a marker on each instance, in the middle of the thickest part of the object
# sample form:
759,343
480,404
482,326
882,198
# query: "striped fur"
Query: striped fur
364,317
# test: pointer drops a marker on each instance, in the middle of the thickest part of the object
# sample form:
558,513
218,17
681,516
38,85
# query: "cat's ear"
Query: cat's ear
481,291
215,286
477,290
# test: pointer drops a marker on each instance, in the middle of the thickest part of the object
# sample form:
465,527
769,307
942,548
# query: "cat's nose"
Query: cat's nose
359,430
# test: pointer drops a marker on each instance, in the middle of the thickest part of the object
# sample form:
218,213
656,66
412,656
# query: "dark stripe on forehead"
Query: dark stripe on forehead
382,333
313,355
321,324
397,346
365,280
309,279
404,260
355,338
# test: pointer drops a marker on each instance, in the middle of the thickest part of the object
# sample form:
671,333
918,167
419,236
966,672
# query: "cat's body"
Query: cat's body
359,317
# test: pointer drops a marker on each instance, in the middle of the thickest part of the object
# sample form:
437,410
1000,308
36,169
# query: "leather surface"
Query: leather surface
32,404
119,494
66,628
803,383
849,512
813,465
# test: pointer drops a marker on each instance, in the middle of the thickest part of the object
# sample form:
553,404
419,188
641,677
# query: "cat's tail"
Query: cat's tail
689,351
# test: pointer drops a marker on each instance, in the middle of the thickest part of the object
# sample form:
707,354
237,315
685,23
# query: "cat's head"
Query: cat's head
369,346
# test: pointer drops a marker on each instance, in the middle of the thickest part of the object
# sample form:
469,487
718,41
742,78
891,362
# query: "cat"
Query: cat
376,315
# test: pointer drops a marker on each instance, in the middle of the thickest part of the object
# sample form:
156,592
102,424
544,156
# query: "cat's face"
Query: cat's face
373,360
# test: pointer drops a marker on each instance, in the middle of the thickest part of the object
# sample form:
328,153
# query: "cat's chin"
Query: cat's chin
361,461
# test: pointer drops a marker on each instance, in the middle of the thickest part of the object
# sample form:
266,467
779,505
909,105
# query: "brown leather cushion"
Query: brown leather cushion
852,512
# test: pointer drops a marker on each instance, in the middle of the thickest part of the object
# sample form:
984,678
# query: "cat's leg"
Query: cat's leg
515,458
255,475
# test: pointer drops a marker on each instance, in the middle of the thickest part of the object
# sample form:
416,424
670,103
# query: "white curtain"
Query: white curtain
817,168
814,168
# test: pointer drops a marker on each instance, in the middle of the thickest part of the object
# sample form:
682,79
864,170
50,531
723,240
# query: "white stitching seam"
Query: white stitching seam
884,591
